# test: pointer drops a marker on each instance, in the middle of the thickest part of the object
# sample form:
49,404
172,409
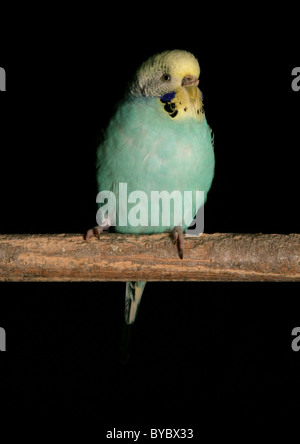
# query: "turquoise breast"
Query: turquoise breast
146,150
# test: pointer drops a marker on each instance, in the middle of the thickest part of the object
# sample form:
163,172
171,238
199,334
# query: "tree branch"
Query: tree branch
116,257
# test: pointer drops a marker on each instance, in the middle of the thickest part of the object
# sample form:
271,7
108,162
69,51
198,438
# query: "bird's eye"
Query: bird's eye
166,77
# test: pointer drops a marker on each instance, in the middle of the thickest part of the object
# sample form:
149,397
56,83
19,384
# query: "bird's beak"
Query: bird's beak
189,80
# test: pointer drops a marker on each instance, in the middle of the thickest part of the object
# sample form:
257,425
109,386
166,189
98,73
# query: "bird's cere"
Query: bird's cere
189,80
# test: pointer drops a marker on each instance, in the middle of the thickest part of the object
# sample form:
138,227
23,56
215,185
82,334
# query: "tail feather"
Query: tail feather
133,295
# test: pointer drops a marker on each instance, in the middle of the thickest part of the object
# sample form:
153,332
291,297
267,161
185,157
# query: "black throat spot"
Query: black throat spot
170,108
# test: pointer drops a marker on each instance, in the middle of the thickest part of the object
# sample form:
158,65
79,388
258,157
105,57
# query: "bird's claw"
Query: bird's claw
177,238
96,231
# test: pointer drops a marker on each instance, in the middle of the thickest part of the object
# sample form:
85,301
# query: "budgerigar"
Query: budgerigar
157,140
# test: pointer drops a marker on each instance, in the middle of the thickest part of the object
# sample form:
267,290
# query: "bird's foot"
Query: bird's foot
177,238
96,231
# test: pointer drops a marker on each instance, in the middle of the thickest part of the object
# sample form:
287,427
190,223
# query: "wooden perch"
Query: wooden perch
116,257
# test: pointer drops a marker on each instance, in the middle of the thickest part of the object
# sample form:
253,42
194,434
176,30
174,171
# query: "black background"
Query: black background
205,355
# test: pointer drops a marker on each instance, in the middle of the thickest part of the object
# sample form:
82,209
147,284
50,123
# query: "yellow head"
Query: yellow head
166,72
